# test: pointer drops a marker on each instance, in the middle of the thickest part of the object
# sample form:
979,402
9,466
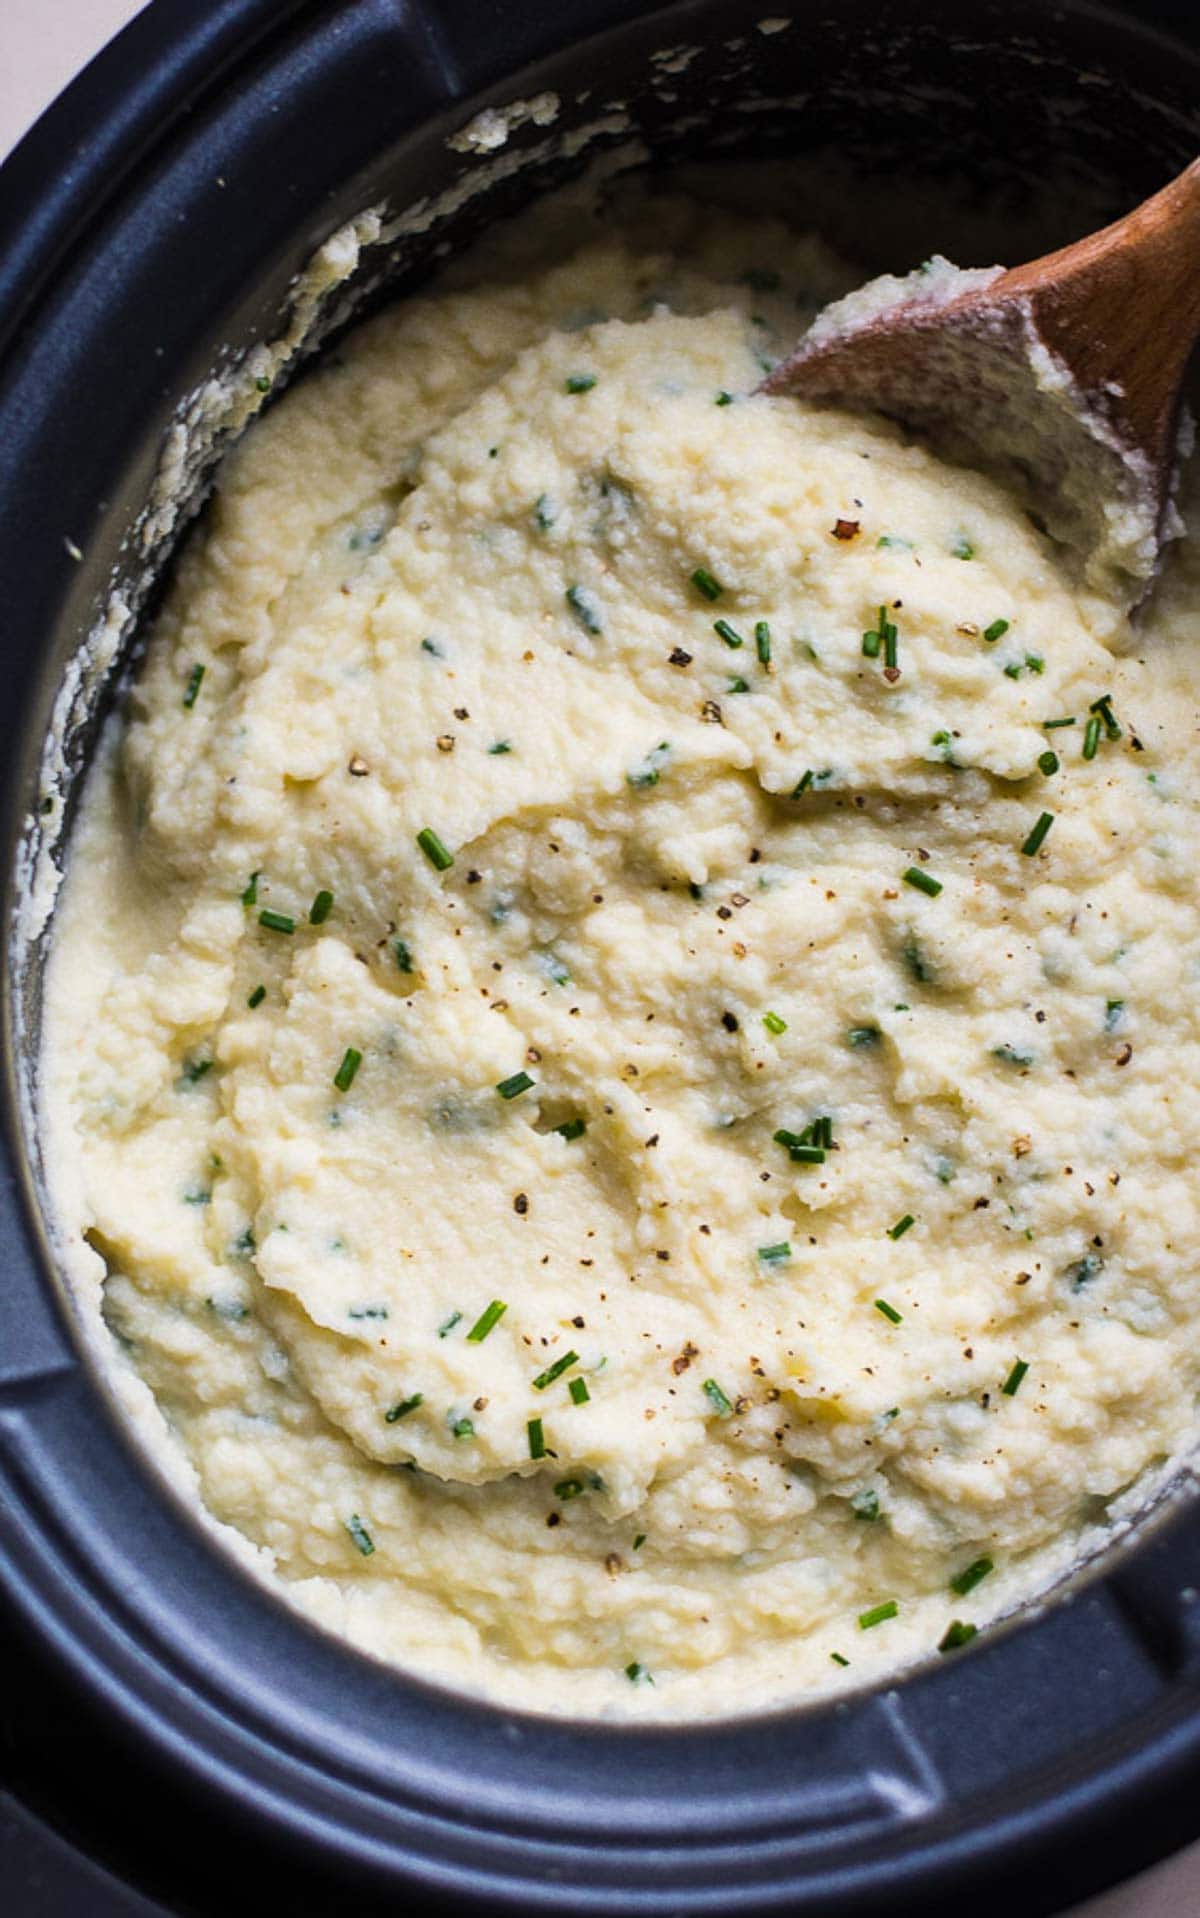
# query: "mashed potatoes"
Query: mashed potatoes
623,1033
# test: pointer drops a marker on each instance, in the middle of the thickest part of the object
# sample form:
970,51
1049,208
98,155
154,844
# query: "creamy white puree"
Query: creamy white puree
459,580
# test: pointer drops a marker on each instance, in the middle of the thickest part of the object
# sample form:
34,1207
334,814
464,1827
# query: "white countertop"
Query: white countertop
42,44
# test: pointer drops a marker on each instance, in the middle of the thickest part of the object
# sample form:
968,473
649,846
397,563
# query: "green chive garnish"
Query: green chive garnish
447,1325
359,1533
863,1036
405,1406
250,896
568,1488
1037,836
343,1078
871,643
762,641
487,1319
403,952
889,1311
721,1403
580,382
276,921
838,1659
195,680
996,630
513,1088
1091,737
774,1024
922,880
1012,1383
901,1226
262,383
1052,725
555,1371
579,1391
499,746
725,631
723,398
434,851
962,547
957,1635
973,1576
256,997
878,1614
1102,707
705,584
775,1254
1048,763
321,908
537,1438
806,1154
638,1674
571,1129
803,783
639,1541
586,608
463,1428
889,645
865,1503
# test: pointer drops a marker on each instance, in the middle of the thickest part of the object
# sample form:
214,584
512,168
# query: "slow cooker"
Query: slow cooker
210,1742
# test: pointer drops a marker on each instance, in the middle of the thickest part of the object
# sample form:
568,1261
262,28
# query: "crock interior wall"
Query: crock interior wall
989,98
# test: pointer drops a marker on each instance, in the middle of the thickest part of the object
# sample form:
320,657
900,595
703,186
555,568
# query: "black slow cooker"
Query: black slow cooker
200,1737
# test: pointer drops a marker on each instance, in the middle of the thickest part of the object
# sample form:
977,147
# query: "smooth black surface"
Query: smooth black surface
155,218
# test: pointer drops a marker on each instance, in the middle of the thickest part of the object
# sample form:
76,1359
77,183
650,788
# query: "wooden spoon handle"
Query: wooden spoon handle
1122,309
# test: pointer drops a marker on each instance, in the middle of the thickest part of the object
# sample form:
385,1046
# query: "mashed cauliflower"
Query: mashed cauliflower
623,1036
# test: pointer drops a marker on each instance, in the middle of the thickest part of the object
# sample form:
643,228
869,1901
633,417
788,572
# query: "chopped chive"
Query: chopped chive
1012,1383
499,746
774,1024
720,1401
1052,725
639,1541
359,1533
431,647
579,382
890,637
723,398
195,680
1037,836
321,908
545,512
513,1087
871,643
434,851
343,1078
974,1575
1113,1008
571,1129
922,880
878,1614
956,1635
803,783
568,1488
705,584
404,958
579,1391
1012,1055
775,1254
738,685
838,1659
488,1318
537,1438
1102,707
195,1069
1091,736
962,548
865,1503
405,1406
555,1371
901,1226
276,921
889,1311
863,1036
447,1325
762,641
262,383
463,1428
638,1674
586,608
250,895
256,997
996,630
733,639
1047,763
804,1154
823,1131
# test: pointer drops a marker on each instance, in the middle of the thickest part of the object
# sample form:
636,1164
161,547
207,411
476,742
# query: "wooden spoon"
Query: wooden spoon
1066,372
